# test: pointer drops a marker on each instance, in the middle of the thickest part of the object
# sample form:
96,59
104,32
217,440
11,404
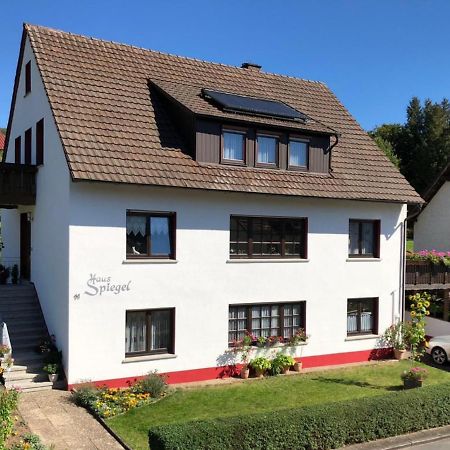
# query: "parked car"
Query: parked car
439,349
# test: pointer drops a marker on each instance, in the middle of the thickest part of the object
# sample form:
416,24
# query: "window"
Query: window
266,237
362,316
278,319
18,146
150,331
150,235
28,146
298,154
28,77
40,142
267,150
233,146
364,238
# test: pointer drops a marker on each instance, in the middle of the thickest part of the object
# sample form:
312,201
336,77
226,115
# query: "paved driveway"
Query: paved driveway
58,421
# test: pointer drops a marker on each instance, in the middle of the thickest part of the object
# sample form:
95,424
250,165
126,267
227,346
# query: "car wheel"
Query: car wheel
439,356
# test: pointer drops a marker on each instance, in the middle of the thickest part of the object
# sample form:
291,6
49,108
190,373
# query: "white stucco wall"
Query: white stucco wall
49,226
203,282
432,228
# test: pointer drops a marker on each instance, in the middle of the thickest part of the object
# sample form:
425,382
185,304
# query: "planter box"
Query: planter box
411,384
401,354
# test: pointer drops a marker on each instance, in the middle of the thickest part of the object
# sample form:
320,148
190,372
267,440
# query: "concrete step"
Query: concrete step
10,292
18,299
31,386
23,338
19,307
22,322
21,315
36,332
15,377
26,358
32,367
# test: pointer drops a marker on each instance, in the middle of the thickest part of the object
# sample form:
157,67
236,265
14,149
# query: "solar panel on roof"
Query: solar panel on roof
252,105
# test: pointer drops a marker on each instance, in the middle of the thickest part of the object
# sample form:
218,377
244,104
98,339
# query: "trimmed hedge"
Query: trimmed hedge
317,427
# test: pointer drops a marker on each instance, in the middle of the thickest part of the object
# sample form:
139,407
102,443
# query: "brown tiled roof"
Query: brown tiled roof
2,141
105,114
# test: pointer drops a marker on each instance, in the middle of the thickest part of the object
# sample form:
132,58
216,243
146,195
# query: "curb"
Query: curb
405,440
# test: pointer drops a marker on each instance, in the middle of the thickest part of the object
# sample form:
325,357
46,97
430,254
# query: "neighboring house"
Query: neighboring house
170,216
432,225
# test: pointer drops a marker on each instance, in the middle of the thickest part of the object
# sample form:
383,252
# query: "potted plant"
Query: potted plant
15,274
4,274
298,338
4,350
414,377
298,366
52,371
395,337
260,365
244,347
261,341
281,364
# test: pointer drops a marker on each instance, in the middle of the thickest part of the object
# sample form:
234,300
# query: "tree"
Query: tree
422,144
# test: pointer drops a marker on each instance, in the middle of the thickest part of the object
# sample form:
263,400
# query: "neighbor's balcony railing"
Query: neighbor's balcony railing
426,275
17,185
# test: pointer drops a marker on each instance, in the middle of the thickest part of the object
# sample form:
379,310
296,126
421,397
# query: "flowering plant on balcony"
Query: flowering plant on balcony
432,256
297,338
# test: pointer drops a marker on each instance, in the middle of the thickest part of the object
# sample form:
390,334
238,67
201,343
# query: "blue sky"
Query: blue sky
374,54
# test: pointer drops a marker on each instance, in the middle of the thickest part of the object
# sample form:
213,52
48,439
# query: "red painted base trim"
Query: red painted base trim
210,373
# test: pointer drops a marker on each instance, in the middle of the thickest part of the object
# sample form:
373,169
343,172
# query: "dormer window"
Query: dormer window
233,147
298,154
266,150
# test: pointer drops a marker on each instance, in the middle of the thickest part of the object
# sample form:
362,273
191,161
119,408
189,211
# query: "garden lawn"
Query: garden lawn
269,394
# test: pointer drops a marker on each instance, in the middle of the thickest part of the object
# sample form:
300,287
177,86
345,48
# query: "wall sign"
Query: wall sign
98,285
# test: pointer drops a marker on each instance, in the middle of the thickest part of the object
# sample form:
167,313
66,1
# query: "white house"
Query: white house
179,203
432,225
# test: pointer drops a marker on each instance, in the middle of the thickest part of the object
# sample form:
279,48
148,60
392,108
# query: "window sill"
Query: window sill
362,337
364,259
149,261
131,359
268,260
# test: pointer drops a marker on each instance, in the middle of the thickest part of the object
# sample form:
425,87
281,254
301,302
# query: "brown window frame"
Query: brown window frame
281,305
376,312
236,130
170,350
18,149
27,77
293,166
28,145
40,142
376,238
250,254
278,138
172,234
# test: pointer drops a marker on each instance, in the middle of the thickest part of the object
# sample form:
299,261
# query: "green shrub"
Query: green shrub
85,395
322,427
260,363
8,404
280,362
31,442
153,384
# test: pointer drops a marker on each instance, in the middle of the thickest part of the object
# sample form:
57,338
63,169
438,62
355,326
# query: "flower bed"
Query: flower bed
109,402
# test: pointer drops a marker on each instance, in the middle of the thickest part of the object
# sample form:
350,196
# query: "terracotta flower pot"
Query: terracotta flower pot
245,372
400,354
285,370
298,367
260,373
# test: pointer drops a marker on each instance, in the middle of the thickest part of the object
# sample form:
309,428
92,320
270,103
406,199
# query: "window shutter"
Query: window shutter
18,146
28,146
40,142
377,238
28,77
375,315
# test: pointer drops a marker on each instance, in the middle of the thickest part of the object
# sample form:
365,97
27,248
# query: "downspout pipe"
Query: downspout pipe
330,147
403,253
